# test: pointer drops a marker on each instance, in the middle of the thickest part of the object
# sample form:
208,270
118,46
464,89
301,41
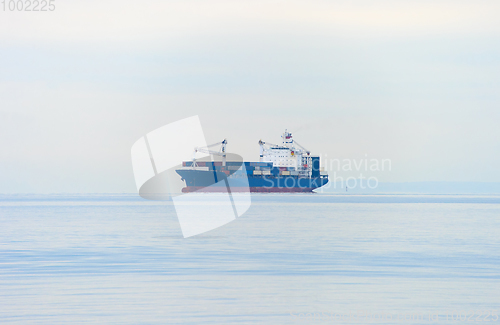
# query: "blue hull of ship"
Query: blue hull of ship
214,181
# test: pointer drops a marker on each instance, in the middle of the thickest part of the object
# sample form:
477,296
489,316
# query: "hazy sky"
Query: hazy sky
417,82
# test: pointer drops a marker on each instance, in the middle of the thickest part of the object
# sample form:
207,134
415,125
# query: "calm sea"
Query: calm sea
291,259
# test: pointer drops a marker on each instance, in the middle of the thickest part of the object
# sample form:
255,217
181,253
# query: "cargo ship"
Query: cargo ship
288,167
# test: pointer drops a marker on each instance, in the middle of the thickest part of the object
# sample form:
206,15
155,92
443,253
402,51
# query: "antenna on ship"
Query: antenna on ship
287,138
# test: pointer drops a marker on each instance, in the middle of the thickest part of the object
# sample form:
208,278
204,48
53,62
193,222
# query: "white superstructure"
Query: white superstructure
288,154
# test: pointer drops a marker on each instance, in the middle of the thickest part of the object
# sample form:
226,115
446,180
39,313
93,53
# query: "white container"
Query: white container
257,172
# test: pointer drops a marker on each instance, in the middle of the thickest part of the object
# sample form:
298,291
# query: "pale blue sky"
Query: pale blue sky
416,82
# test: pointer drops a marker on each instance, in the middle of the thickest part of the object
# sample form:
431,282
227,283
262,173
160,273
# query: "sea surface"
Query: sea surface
291,259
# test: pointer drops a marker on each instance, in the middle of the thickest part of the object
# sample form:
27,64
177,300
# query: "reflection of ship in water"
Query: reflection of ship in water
288,167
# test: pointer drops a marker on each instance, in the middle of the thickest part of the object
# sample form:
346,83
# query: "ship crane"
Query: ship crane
307,151
221,152
267,143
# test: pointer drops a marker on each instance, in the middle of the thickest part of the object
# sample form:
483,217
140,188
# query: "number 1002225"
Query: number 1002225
28,5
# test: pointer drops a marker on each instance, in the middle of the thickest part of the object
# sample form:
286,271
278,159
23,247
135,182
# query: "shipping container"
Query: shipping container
257,172
266,172
285,172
